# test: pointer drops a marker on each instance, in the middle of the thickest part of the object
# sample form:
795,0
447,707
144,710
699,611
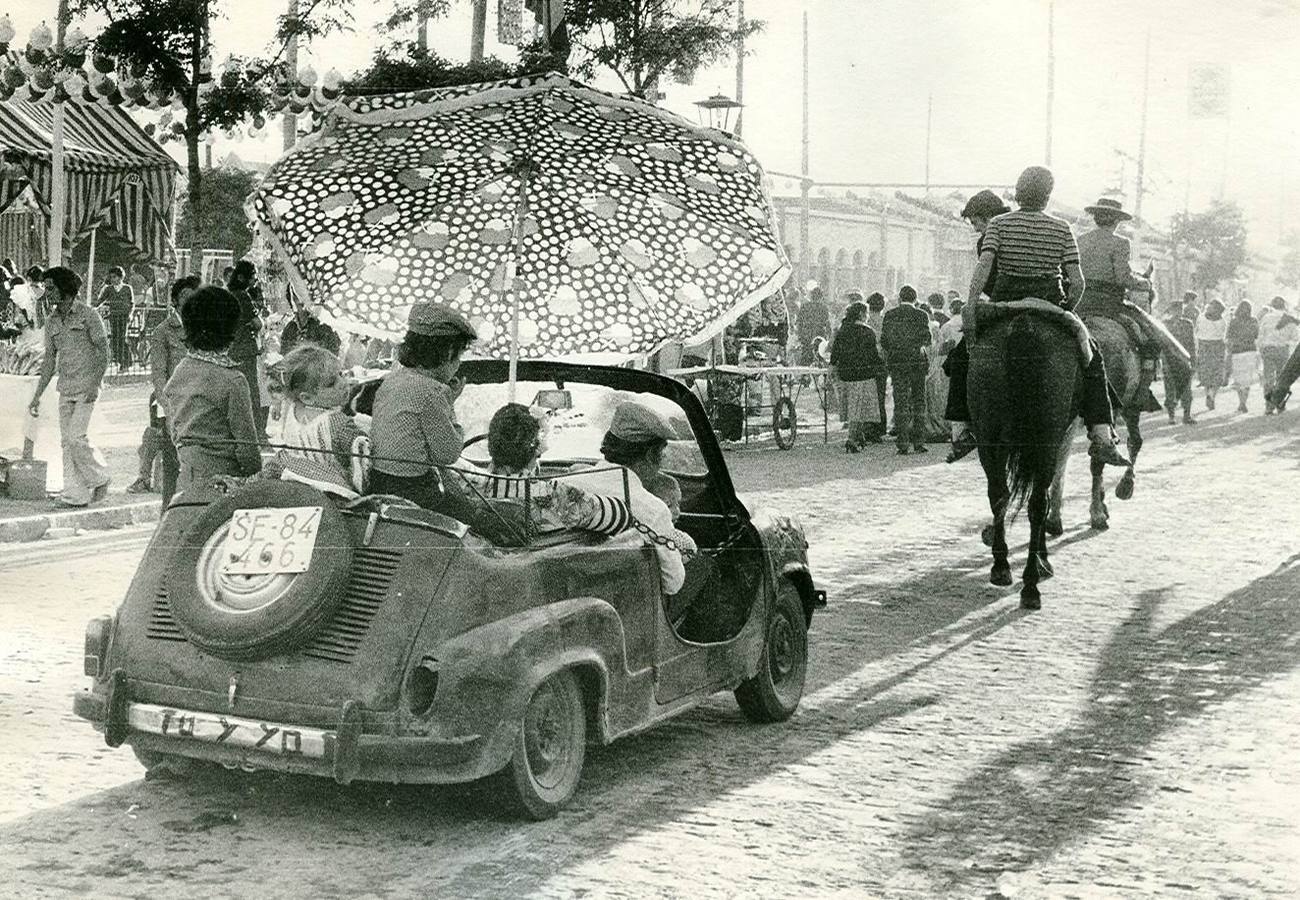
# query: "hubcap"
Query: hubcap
235,593
547,737
780,651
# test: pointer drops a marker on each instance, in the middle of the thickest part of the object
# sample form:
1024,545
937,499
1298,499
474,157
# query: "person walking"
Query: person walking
76,347
1211,335
245,349
117,299
858,365
814,321
905,334
1178,378
166,350
1242,335
876,322
1277,334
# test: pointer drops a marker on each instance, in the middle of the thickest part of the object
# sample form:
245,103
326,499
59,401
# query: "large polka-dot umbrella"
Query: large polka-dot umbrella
625,226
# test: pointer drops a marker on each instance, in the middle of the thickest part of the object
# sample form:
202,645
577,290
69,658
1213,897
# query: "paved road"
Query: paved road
1137,737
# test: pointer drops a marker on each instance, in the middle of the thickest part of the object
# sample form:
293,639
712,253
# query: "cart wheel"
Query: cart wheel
784,426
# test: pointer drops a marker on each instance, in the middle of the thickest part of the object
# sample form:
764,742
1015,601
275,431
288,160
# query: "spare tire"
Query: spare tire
254,616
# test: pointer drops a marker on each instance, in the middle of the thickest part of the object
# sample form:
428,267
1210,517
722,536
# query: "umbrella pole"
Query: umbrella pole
512,268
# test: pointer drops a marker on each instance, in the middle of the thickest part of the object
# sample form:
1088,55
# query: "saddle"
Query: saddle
987,313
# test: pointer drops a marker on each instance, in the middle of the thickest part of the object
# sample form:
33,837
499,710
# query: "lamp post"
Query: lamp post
715,111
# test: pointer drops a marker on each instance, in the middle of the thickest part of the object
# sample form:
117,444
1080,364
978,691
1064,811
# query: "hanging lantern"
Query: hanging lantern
150,128
75,39
33,94
41,38
178,129
307,75
102,84
7,32
103,63
34,58
75,84
43,80
14,78
329,88
259,121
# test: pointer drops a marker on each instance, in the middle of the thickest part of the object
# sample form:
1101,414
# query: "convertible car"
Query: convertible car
273,627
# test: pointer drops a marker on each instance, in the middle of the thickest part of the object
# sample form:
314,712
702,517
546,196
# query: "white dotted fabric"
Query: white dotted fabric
641,228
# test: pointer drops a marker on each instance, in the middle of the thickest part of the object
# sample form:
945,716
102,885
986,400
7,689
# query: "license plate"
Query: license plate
233,731
271,541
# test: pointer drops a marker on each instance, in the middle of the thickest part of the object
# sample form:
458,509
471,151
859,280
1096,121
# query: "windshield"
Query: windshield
574,419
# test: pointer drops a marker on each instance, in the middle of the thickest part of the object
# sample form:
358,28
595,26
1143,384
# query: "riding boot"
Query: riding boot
957,365
1142,397
1096,394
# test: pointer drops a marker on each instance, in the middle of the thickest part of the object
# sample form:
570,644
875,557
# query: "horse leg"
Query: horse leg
1098,513
1053,526
1124,490
995,473
1036,566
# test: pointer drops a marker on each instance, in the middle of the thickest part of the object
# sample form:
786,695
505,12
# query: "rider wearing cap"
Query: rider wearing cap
414,429
1031,252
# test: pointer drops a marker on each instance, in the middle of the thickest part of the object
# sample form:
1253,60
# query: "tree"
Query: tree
164,43
1288,268
1217,237
394,70
224,224
642,40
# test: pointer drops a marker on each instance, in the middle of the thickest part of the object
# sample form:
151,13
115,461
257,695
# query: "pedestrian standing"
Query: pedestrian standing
1243,333
814,321
876,322
208,400
858,365
166,350
936,304
1178,378
1277,334
1211,335
245,349
905,334
76,347
117,299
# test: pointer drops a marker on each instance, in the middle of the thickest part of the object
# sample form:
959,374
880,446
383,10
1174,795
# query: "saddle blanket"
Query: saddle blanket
988,312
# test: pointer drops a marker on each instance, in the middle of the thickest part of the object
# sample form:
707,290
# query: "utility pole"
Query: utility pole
480,29
289,122
805,185
740,64
422,31
1051,75
1142,151
929,118
58,178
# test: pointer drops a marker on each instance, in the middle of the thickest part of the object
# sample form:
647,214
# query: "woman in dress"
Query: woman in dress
858,365
1243,332
1211,347
936,385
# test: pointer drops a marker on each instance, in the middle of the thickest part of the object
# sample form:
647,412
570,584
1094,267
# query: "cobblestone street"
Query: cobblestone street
1137,737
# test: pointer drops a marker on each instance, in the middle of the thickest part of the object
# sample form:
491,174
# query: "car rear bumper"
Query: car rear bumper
341,752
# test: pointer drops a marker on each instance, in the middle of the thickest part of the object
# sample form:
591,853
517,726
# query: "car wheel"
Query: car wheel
550,747
773,694
168,765
254,616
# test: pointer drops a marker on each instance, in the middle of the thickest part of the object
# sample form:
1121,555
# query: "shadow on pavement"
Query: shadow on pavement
1035,798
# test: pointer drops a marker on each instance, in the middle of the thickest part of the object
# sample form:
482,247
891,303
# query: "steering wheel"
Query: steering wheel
476,439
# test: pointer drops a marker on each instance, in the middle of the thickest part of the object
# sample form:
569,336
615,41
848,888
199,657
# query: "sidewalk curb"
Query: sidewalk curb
66,524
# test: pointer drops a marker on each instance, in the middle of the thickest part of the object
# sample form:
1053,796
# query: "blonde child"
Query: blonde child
317,441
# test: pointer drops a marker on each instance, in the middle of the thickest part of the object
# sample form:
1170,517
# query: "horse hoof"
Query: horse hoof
1100,524
1045,569
1030,598
1053,527
1124,490
1001,576
986,535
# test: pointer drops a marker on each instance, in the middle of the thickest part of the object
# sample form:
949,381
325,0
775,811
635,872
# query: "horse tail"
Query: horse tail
1033,439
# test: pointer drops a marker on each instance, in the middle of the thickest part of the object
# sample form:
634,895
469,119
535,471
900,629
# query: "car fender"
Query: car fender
786,550
487,674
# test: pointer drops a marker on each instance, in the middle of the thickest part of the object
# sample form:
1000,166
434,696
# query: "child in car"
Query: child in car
669,490
208,402
320,443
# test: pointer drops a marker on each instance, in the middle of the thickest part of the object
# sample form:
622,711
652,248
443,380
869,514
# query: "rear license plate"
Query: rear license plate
271,541
232,731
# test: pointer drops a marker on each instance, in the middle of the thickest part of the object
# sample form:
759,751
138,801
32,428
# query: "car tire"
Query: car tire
773,694
169,765
275,613
550,747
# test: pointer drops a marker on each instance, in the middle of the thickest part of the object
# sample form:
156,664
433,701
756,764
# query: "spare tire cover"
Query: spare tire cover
254,616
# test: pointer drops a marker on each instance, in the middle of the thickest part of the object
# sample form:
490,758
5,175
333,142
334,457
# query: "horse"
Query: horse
1024,381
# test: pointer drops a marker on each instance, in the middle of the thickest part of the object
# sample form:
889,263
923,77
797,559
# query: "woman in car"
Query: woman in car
414,428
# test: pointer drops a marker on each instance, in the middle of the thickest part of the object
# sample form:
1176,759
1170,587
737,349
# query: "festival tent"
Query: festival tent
118,178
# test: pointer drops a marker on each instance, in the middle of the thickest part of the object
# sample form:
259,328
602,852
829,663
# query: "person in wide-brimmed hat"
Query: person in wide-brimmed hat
1108,277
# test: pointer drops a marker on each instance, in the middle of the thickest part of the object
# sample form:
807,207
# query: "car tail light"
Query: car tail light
422,686
98,631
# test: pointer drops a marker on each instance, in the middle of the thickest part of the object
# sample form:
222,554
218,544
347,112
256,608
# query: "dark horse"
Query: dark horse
1024,381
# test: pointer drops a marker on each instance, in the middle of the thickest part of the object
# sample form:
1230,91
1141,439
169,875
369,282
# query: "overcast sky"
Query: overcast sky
874,63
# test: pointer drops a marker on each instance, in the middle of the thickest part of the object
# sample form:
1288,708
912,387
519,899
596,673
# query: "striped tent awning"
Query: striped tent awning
117,176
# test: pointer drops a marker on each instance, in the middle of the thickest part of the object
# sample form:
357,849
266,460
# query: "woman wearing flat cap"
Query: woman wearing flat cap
635,442
414,428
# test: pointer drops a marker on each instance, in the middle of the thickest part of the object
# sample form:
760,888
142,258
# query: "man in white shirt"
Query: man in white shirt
1277,334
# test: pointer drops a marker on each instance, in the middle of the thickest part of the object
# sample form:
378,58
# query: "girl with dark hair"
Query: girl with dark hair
208,402
858,366
1243,332
119,300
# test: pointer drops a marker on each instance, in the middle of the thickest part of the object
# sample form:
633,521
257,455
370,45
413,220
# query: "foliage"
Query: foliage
407,11
16,359
223,223
394,70
1288,269
642,40
1218,237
